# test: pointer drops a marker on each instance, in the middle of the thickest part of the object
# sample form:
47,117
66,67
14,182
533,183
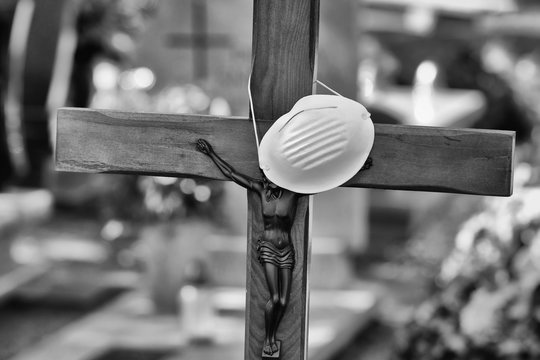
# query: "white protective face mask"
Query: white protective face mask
319,145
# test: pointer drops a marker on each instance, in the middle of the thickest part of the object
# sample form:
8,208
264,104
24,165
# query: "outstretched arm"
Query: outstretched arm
227,170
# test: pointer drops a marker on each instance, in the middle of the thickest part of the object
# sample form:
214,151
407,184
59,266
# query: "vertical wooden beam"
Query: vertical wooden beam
285,36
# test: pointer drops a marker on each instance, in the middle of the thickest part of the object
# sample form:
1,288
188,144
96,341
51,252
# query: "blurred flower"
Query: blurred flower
482,318
487,305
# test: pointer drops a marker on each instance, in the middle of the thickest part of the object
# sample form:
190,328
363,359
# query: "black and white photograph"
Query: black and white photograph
269,179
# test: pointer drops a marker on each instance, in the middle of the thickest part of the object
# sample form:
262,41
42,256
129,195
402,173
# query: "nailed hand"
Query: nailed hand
204,147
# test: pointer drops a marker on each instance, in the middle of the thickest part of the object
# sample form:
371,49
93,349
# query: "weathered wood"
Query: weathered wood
285,36
405,157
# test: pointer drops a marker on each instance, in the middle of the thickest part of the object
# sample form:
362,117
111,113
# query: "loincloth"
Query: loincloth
270,254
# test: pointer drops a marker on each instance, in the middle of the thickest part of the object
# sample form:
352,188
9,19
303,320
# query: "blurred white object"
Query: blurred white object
219,107
463,6
141,78
482,318
420,20
424,83
35,251
105,75
451,107
196,313
25,207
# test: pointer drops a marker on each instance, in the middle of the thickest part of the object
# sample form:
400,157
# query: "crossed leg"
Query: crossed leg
285,277
271,310
279,285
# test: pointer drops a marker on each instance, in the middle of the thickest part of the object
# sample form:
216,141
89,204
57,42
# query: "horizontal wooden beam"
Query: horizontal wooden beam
404,157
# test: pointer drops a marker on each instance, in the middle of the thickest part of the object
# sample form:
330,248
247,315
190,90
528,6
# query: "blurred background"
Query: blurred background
96,266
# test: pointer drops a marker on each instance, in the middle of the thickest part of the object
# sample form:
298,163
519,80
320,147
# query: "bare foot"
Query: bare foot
268,348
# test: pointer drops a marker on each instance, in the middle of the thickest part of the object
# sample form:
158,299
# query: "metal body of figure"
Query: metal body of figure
275,248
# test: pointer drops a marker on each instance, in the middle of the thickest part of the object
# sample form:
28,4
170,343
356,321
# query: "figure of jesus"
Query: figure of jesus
274,246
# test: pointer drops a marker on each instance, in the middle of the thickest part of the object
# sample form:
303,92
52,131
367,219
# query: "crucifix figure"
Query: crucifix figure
274,247
284,53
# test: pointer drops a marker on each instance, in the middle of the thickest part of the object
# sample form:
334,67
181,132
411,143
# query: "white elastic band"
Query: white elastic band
327,87
253,111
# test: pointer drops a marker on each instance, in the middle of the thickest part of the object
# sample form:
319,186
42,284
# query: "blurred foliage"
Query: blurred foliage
486,304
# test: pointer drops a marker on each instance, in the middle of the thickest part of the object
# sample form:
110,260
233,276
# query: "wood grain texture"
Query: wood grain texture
405,157
285,35
284,54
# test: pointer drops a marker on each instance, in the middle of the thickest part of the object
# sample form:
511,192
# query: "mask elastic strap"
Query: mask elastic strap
327,87
251,108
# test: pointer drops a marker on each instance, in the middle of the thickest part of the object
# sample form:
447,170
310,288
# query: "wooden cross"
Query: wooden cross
199,39
284,52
